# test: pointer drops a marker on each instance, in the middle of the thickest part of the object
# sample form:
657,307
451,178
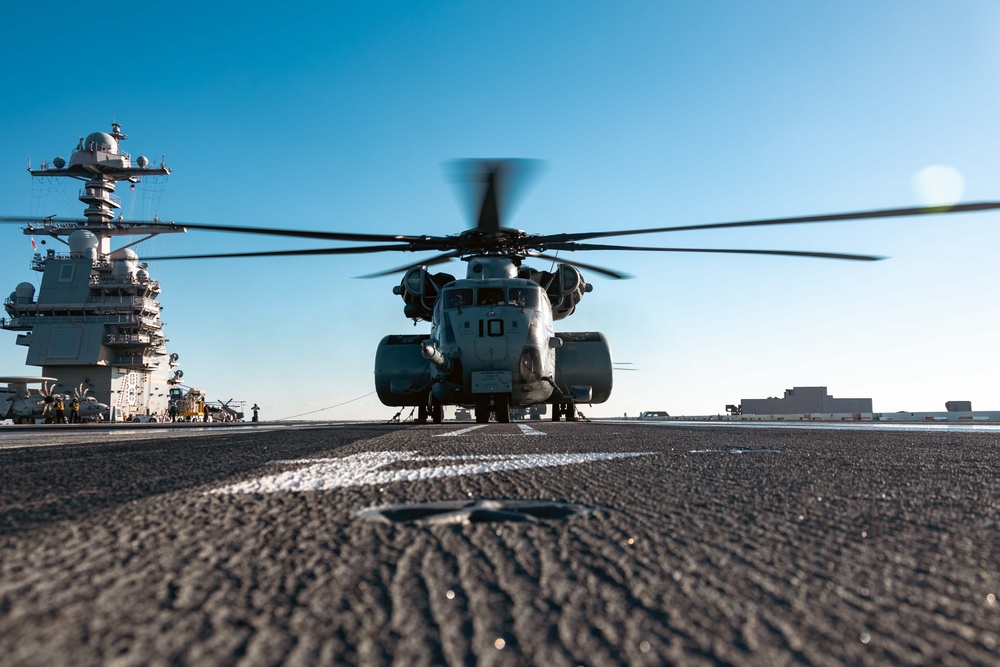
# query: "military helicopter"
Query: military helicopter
493,344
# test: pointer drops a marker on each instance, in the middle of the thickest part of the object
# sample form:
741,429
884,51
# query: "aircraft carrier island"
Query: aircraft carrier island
94,324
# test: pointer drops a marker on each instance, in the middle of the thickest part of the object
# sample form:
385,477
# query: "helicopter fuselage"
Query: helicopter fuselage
492,337
493,344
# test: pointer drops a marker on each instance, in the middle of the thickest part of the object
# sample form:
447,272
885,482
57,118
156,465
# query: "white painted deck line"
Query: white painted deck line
367,468
459,432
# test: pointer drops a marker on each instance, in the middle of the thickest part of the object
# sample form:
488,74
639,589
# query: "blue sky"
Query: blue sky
343,116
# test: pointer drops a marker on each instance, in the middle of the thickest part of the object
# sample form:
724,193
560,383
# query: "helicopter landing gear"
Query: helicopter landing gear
564,409
482,408
502,408
435,410
497,405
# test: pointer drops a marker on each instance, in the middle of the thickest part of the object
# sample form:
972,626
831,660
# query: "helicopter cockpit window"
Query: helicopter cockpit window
523,297
458,298
490,296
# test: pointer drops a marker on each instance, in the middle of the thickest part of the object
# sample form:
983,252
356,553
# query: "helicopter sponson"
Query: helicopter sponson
492,344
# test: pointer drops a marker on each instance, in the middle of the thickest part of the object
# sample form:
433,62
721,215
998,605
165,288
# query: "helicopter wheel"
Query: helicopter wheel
421,415
570,412
437,411
502,408
556,411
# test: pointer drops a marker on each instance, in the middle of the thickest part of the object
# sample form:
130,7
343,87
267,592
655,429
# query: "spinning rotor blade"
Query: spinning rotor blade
590,267
489,212
549,239
440,259
732,251
357,250
493,185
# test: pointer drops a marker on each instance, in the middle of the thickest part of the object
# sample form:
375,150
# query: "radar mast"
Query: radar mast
96,321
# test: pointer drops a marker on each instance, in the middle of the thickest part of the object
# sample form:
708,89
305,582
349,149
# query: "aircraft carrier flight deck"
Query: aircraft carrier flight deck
507,544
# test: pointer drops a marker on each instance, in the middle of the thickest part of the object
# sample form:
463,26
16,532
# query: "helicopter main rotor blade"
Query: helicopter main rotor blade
971,207
440,259
617,275
731,251
310,234
21,220
357,250
489,211
266,231
491,188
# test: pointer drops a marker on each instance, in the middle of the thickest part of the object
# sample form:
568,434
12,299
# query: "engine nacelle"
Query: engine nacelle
420,290
402,374
583,366
564,287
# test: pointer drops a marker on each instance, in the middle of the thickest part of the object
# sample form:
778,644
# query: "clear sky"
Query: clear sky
342,116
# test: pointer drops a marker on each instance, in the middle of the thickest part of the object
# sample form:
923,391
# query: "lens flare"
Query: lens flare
939,184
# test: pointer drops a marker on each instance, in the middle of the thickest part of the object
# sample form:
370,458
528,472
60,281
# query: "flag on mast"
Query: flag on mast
34,246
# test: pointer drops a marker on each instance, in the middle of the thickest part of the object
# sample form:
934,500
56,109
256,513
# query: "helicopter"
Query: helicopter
493,346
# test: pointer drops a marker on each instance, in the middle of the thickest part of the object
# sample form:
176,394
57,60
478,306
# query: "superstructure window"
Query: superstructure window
66,272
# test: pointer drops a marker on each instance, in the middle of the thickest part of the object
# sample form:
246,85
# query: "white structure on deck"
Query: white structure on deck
95,320
807,401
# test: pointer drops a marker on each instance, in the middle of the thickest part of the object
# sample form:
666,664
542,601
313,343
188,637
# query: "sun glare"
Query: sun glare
939,184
